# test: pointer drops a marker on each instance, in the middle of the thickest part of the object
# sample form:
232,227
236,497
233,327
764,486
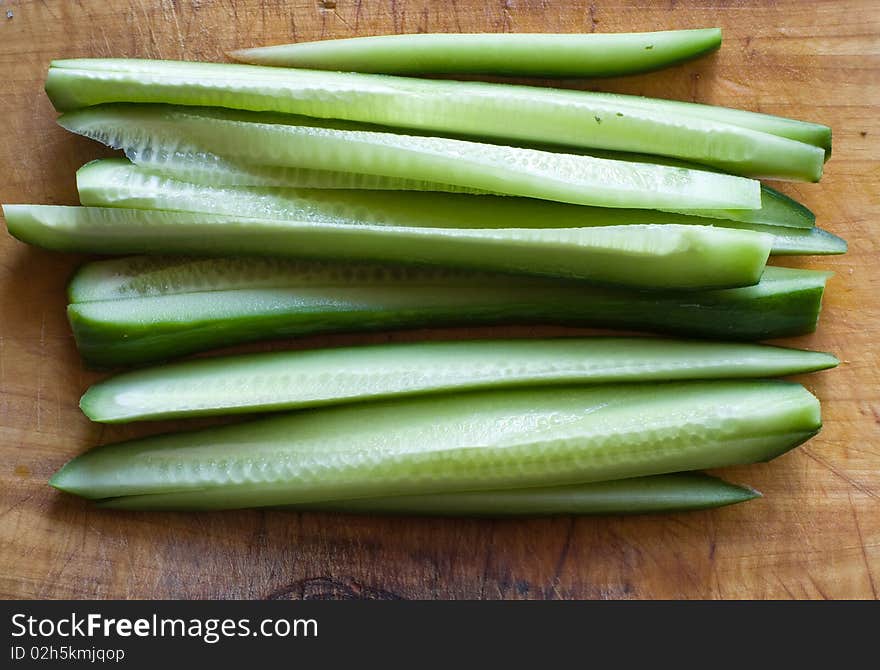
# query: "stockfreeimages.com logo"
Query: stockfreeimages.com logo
208,631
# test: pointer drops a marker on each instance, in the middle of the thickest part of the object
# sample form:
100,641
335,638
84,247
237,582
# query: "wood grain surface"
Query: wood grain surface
816,534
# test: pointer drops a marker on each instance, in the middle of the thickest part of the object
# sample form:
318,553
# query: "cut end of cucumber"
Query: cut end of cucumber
63,481
23,225
796,440
94,407
824,361
724,493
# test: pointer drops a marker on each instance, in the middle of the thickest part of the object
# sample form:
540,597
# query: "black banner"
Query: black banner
139,634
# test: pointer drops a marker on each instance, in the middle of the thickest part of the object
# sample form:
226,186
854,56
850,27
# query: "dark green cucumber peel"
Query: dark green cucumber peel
444,444
295,379
140,310
679,492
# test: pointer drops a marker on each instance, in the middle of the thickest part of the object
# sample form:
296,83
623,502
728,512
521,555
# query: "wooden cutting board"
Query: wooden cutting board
815,534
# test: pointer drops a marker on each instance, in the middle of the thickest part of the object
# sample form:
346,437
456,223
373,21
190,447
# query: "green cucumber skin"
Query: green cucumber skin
118,183
679,492
797,242
296,379
301,142
560,55
143,310
648,256
463,442
744,143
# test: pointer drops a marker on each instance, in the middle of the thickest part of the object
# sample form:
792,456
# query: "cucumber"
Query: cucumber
683,491
799,242
737,141
207,169
464,442
647,256
145,309
295,379
777,209
288,141
118,183
525,54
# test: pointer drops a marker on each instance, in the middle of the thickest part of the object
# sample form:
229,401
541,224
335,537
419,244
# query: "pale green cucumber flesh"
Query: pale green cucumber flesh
464,442
648,256
206,169
300,142
138,310
118,183
742,142
560,55
776,208
677,492
294,379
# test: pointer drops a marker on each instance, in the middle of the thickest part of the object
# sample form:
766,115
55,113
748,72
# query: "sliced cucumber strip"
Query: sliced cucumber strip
737,141
777,209
800,242
294,379
683,491
118,183
289,142
207,169
137,310
465,442
648,256
528,54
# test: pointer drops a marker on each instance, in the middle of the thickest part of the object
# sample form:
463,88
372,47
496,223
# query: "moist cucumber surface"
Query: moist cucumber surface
294,379
301,142
208,169
118,183
471,441
737,141
648,256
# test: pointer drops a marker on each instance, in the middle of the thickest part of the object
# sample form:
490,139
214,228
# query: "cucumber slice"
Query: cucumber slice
647,256
800,242
208,169
138,310
777,209
294,379
525,54
118,183
683,491
443,444
300,142
737,141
